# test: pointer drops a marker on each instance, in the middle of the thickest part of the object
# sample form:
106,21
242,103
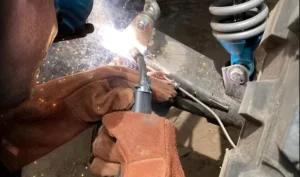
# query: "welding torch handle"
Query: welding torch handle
142,102
143,78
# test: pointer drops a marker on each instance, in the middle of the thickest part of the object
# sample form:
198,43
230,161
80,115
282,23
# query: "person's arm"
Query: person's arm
27,30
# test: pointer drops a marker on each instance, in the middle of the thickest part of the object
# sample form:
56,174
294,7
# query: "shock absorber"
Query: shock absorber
239,26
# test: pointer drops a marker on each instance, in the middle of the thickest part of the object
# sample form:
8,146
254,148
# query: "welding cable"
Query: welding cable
212,112
206,107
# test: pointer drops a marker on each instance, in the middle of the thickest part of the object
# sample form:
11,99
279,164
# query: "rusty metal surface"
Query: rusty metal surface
68,160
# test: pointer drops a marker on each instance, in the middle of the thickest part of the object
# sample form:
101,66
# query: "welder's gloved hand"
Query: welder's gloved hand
60,109
145,145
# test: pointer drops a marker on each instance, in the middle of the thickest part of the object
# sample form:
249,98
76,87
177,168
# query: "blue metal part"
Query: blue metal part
72,14
241,51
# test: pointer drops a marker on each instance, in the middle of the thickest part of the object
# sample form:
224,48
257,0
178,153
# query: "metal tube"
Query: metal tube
142,68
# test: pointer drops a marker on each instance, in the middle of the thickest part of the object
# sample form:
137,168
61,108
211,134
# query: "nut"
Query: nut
238,74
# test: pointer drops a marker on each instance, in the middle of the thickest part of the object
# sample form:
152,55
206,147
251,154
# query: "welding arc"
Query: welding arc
213,113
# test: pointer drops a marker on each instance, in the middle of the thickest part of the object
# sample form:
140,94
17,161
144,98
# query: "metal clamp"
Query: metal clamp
142,24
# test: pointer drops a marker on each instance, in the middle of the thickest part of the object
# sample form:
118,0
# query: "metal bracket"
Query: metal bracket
235,79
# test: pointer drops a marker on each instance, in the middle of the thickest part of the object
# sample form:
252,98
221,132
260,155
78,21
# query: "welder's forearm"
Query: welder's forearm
27,31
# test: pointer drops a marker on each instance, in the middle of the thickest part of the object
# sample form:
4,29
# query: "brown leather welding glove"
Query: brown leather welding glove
145,145
60,109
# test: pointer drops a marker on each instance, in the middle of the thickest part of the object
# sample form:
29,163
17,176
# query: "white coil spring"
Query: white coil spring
225,26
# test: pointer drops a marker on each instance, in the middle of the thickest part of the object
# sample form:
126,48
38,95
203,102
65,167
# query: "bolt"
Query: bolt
238,75
142,24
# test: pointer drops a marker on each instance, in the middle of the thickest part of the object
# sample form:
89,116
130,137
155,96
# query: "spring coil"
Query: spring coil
229,27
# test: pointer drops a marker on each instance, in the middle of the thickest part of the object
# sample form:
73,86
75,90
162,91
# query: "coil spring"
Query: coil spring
239,21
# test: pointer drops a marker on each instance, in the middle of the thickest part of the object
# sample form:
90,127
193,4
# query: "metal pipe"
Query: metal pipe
142,68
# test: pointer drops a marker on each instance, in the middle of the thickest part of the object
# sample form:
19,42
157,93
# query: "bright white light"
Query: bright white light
119,42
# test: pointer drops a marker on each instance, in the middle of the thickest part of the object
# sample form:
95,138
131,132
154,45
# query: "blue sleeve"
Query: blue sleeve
72,14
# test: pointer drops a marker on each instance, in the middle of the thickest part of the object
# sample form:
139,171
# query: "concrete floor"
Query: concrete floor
201,145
